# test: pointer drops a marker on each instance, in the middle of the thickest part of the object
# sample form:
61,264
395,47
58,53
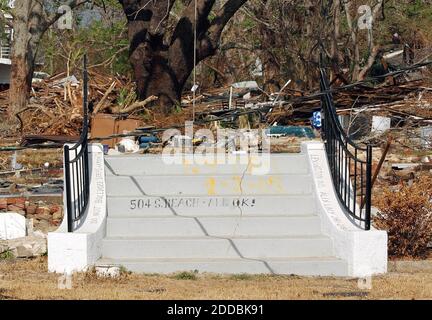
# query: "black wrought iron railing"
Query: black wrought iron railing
350,165
76,167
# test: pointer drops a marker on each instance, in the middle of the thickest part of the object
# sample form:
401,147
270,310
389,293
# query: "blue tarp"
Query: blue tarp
297,131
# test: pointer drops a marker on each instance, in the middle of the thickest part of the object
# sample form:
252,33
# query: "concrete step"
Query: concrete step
324,266
213,226
212,247
132,165
221,218
196,206
209,185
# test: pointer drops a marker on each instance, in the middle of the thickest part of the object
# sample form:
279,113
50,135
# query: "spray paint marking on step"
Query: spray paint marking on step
178,202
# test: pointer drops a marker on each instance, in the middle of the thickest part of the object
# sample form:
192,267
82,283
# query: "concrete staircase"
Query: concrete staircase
166,218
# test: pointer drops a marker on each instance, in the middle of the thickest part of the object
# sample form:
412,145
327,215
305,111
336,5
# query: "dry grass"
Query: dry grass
28,279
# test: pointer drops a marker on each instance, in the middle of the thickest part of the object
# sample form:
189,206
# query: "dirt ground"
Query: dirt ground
29,279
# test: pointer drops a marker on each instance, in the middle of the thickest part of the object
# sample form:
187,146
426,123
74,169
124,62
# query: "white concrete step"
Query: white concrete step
209,185
218,218
132,165
324,266
212,247
213,226
195,206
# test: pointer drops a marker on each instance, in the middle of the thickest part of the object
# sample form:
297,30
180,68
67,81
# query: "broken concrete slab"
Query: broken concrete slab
72,80
380,124
3,248
31,246
245,85
12,226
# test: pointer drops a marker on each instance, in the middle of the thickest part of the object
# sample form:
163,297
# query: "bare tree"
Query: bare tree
294,32
289,34
358,72
268,43
30,20
163,60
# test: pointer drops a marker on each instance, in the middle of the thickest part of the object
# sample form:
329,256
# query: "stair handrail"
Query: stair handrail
76,167
348,180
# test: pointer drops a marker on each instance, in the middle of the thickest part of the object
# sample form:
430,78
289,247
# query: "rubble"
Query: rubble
18,237
71,80
246,85
128,145
33,245
55,106
12,226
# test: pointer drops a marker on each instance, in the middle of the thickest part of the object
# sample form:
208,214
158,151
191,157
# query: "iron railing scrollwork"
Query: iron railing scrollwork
76,166
350,165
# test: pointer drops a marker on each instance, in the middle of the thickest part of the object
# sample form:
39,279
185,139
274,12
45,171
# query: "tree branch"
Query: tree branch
223,16
135,106
210,42
161,11
186,25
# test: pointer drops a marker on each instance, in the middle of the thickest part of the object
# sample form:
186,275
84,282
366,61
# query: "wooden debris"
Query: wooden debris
135,106
55,106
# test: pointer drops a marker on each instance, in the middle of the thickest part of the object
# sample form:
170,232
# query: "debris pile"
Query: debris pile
411,99
55,106
32,245
18,237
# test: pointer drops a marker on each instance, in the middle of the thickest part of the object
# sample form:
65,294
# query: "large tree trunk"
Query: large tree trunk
23,58
162,64
148,55
21,80
153,73
158,81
